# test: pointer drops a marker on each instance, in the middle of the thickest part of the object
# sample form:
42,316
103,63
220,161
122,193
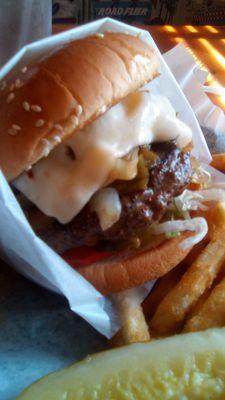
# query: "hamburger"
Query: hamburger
97,159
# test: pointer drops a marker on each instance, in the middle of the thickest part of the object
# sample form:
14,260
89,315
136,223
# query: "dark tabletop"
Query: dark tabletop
38,333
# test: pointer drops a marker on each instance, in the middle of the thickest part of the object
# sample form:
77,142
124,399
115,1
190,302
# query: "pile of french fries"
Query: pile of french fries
189,298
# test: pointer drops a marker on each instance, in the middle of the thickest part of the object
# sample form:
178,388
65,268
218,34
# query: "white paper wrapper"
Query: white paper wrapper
191,79
21,246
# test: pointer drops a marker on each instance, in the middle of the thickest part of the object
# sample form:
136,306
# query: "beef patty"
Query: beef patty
169,175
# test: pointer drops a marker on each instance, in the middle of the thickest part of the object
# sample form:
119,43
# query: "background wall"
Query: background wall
141,11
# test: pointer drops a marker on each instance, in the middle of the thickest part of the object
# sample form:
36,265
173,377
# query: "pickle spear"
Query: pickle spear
186,366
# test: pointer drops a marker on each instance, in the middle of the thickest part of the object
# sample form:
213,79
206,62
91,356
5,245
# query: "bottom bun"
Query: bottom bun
128,270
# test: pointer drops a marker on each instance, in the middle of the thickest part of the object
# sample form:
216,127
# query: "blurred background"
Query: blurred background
141,11
198,24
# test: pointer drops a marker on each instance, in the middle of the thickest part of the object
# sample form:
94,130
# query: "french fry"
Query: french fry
216,221
160,290
195,186
211,313
194,253
197,307
218,161
117,340
171,312
133,324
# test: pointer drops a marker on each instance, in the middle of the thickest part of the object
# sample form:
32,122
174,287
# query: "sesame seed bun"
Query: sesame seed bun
52,99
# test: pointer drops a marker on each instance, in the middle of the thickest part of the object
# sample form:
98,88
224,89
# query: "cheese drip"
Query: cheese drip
62,185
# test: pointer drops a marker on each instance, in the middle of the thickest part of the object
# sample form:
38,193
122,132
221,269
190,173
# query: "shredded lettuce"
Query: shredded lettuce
197,225
194,200
171,235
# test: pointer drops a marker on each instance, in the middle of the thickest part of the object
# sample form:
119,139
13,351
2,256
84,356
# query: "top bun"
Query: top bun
50,100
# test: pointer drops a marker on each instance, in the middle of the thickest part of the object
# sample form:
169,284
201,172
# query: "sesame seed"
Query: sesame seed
10,98
103,109
74,120
47,148
57,139
100,35
26,106
16,127
36,108
24,69
46,152
18,83
138,35
28,168
11,87
12,132
79,110
58,127
39,123
3,85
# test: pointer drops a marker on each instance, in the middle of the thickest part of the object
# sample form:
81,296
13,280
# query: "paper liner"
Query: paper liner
18,243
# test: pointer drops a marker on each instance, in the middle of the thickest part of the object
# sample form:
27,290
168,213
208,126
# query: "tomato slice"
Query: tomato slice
82,256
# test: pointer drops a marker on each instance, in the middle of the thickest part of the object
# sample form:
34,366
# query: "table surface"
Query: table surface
38,332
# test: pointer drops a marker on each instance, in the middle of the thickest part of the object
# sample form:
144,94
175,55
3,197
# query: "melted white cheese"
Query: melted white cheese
61,186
